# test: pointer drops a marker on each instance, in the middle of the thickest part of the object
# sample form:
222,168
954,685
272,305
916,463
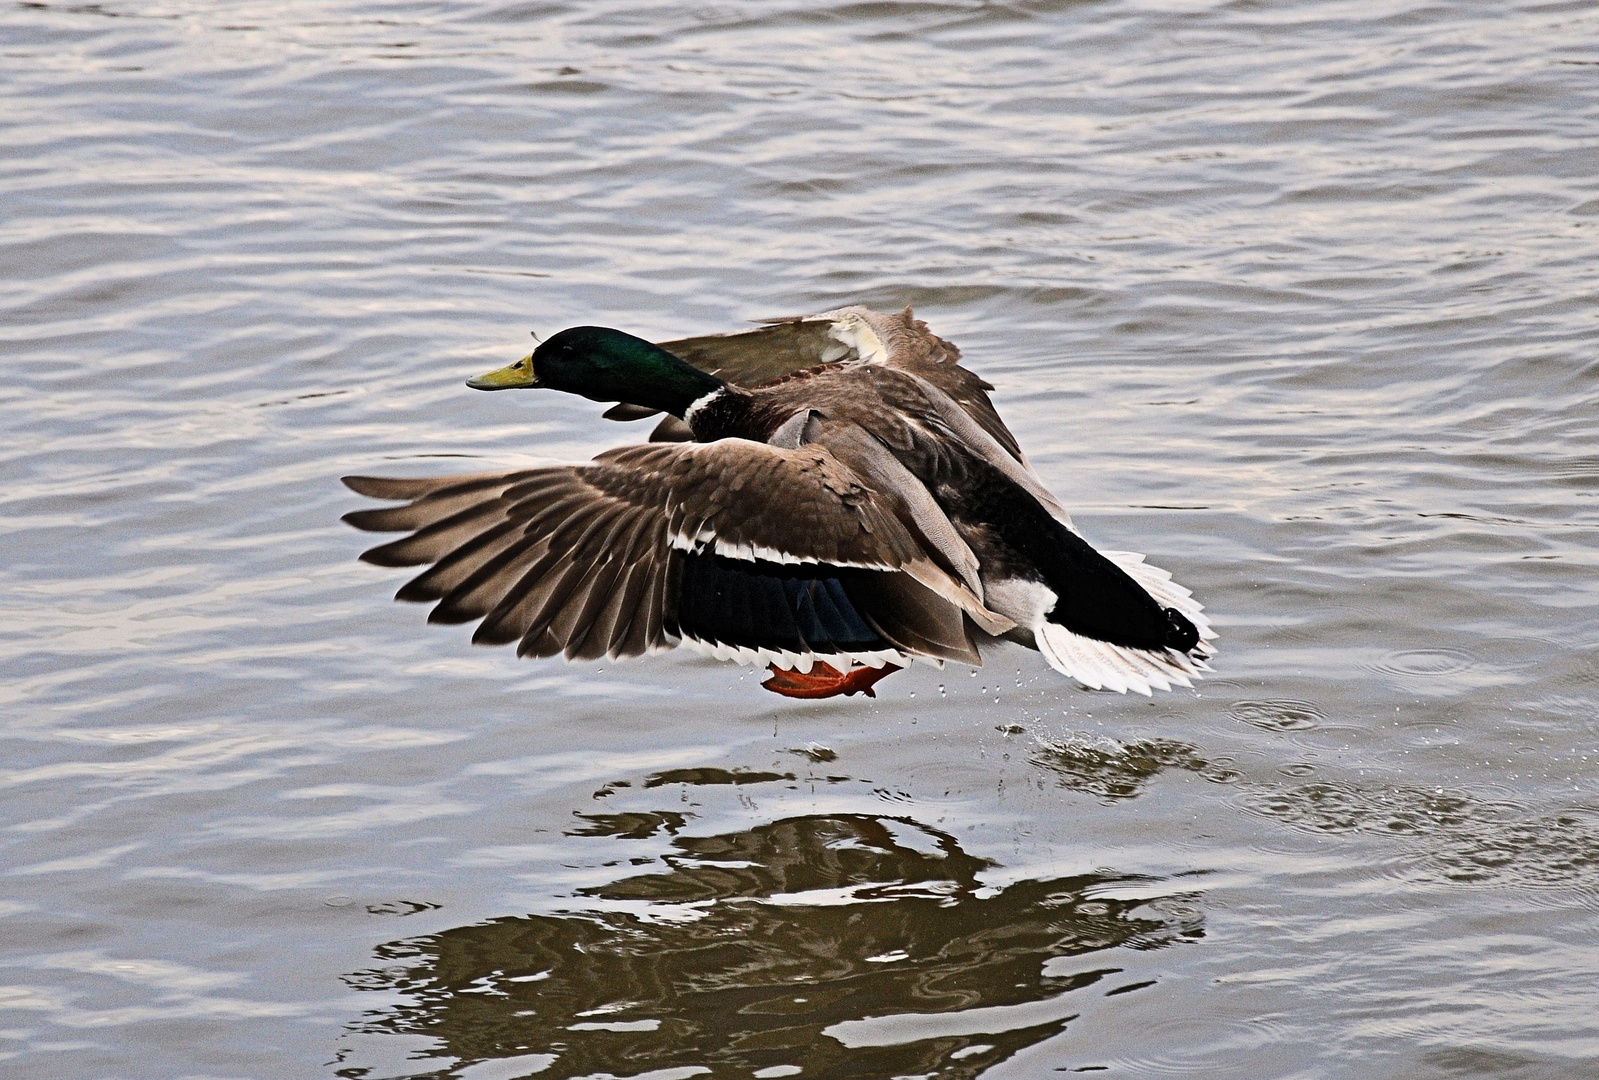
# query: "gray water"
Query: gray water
1298,298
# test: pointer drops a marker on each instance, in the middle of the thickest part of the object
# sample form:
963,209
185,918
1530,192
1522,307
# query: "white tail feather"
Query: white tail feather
1167,593
1100,665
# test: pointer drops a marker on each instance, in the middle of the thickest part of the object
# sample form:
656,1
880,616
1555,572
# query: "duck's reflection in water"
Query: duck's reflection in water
770,948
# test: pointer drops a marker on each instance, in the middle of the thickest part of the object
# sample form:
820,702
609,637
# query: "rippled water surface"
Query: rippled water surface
1299,298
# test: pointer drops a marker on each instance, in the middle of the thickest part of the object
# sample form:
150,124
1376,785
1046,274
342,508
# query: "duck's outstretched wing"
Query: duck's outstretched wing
783,346
758,355
752,552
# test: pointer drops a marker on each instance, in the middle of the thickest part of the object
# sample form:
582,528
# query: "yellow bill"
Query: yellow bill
517,375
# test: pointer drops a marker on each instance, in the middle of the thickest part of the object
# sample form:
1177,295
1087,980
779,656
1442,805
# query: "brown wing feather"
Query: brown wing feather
575,625
434,541
486,588
433,502
919,621
753,357
509,619
802,505
604,612
914,348
450,572
394,487
583,560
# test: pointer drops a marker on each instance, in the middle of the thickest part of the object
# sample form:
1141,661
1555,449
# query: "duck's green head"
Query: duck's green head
605,365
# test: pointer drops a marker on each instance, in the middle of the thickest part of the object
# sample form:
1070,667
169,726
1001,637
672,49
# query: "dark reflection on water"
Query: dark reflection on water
713,776
637,825
748,951
1113,770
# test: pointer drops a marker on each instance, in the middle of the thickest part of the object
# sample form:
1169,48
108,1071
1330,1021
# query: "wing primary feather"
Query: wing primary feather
487,586
508,620
430,543
485,589
577,623
430,508
569,540
385,487
449,572
636,639
545,601
611,622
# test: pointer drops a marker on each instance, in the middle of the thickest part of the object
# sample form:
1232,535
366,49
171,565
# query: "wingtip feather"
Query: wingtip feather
379,487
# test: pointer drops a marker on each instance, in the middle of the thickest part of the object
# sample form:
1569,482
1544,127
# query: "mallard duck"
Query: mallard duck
831,496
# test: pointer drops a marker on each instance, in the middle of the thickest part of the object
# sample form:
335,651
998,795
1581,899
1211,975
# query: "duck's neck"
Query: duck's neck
671,386
727,412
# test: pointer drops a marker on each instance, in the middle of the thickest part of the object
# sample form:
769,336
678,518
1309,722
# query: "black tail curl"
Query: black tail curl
1181,634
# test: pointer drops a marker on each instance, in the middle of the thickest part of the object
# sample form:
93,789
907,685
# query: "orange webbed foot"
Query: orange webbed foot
825,680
